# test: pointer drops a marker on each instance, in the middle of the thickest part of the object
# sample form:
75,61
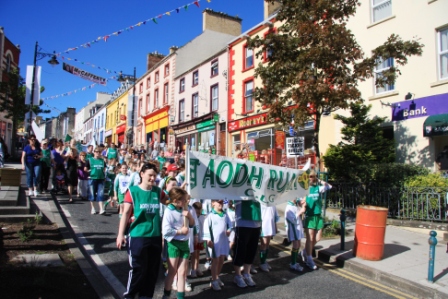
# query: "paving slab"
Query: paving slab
40,260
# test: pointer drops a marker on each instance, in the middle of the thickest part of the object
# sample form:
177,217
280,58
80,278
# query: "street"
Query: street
98,232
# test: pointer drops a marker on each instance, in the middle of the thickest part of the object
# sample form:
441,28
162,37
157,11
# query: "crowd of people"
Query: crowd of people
161,224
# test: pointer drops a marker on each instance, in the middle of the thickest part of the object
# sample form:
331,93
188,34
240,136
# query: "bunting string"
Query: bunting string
132,27
109,71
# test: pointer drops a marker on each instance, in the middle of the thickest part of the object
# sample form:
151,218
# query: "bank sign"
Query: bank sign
219,177
432,105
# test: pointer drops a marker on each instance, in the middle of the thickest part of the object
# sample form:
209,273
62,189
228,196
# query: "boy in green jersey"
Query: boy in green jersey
96,168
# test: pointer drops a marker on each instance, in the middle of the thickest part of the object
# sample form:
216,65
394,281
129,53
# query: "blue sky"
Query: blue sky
60,25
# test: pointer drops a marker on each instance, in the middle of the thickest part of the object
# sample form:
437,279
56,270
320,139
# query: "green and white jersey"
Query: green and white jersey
314,200
112,153
172,222
146,205
121,183
97,167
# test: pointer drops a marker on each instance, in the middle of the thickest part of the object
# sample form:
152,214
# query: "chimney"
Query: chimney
270,8
221,22
153,59
173,49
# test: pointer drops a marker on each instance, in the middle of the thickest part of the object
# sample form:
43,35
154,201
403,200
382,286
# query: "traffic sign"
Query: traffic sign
295,146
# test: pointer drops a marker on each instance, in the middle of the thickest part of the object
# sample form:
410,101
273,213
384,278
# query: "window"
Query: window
156,98
182,85
214,97
140,88
381,9
165,93
382,66
443,53
156,77
267,54
194,105
8,63
148,102
195,78
148,82
248,57
248,96
214,68
167,69
140,107
182,110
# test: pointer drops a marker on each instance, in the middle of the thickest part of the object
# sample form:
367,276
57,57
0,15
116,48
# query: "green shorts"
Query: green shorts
120,198
314,222
178,248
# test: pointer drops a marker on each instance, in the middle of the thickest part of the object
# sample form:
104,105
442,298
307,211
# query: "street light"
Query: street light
122,78
38,56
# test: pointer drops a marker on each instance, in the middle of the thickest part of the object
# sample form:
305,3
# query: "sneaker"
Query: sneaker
93,212
229,257
249,281
102,212
199,273
207,265
269,266
187,286
193,274
296,267
214,284
220,282
264,267
239,281
253,270
310,263
35,192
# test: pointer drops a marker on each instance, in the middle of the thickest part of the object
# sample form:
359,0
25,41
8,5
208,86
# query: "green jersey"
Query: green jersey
46,157
89,155
314,201
112,153
146,212
96,169
161,160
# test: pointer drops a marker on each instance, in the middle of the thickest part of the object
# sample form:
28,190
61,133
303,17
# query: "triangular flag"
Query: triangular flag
154,20
177,10
186,7
196,3
168,13
67,138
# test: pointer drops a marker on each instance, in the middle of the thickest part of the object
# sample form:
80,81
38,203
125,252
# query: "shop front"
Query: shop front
108,136
119,131
156,127
206,136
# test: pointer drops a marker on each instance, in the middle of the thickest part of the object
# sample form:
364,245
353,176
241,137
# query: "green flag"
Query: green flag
67,138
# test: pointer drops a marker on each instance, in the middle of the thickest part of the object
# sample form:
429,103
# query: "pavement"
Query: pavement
404,265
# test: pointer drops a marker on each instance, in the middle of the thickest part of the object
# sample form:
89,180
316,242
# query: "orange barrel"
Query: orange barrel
370,231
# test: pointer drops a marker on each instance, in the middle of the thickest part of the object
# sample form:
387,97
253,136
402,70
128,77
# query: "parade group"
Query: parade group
161,224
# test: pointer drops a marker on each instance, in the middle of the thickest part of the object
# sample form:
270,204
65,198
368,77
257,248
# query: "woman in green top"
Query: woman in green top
45,165
112,152
96,168
145,236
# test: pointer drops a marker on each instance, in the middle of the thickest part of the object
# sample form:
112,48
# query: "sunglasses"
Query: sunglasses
32,139
97,151
312,176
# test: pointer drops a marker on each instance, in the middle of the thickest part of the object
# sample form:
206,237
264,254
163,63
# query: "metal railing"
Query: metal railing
410,203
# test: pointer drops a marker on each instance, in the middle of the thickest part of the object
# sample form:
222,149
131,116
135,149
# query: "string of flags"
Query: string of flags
70,92
116,33
109,71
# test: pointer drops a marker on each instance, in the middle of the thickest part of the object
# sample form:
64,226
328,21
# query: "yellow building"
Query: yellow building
117,115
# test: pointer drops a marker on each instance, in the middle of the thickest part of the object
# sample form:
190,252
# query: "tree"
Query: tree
363,146
315,61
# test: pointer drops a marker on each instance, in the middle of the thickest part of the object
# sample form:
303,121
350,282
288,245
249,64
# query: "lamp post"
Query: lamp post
122,78
53,61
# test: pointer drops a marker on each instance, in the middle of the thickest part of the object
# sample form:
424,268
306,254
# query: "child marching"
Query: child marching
294,229
121,185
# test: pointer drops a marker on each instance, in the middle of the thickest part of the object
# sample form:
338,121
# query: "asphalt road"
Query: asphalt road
98,232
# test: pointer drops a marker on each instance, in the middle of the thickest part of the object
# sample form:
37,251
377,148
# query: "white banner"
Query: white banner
29,79
37,131
219,177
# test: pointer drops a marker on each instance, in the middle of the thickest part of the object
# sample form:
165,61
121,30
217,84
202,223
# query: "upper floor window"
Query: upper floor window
181,110
140,88
248,57
182,85
165,93
156,77
167,69
195,78
248,96
140,107
214,68
156,98
443,53
381,9
8,63
148,102
214,97
195,105
148,82
383,65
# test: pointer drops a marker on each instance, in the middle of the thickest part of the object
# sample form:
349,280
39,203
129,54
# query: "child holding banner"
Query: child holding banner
217,228
314,222
294,229
269,218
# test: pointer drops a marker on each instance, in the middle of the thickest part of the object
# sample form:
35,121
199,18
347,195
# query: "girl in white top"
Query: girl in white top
217,228
294,228
269,217
135,176
121,185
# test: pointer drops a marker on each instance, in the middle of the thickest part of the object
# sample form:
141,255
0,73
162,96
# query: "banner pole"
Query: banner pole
187,170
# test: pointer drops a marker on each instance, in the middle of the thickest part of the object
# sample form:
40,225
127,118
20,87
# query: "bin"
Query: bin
370,231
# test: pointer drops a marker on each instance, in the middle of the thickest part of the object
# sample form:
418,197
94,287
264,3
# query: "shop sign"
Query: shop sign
426,106
216,117
206,123
280,140
108,133
122,117
208,128
120,129
251,121
156,117
295,146
186,129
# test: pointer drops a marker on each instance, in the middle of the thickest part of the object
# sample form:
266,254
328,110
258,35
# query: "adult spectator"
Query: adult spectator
72,171
141,152
154,154
96,166
45,164
58,158
31,163
89,153
161,158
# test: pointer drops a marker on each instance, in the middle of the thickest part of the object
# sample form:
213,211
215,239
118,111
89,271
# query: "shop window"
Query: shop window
182,85
383,65
165,93
248,96
248,57
214,68
214,97
156,77
443,53
194,105
156,99
195,78
381,9
182,110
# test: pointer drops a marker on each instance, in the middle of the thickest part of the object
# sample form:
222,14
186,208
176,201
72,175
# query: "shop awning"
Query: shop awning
436,125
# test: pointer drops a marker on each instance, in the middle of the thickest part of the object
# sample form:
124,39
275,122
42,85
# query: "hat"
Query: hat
172,167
